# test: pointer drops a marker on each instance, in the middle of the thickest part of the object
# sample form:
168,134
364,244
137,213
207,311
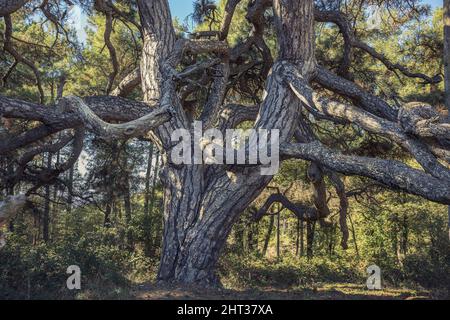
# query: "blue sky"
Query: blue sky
182,8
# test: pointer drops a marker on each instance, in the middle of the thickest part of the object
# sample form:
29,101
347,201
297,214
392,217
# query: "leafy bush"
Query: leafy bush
39,271
250,271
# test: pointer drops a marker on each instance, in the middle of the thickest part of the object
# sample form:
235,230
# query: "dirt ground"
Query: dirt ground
338,291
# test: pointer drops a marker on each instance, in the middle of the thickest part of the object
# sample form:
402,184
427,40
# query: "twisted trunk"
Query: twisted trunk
201,203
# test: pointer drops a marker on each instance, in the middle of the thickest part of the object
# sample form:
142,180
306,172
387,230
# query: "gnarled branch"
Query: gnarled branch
122,130
393,174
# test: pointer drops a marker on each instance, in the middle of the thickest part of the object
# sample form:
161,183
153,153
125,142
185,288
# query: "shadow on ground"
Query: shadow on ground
340,291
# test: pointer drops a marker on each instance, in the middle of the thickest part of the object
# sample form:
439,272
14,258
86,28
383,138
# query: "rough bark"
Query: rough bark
121,131
391,173
200,203
53,119
128,84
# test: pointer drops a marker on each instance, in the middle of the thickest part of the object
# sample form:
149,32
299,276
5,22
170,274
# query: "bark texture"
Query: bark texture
201,203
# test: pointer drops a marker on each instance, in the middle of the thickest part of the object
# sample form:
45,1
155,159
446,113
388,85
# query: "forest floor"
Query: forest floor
334,291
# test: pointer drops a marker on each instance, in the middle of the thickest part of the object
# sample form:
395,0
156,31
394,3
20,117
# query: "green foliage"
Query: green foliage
407,237
252,271
38,271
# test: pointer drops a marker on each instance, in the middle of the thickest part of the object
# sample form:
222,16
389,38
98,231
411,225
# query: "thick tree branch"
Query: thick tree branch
128,84
366,121
391,173
47,175
316,177
120,131
358,95
339,186
303,212
111,49
234,114
108,108
424,121
230,7
391,130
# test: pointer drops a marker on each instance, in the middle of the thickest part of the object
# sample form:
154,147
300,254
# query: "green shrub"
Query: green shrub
39,271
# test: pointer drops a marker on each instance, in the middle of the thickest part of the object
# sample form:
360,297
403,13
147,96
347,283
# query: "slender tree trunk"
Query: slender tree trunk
331,233
447,70
354,236
55,187
256,236
148,221
156,237
128,212
201,203
108,212
302,238
405,235
110,185
154,181
54,210
126,192
310,229
108,208
46,213
70,190
147,181
297,237
269,234
10,189
278,235
250,239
